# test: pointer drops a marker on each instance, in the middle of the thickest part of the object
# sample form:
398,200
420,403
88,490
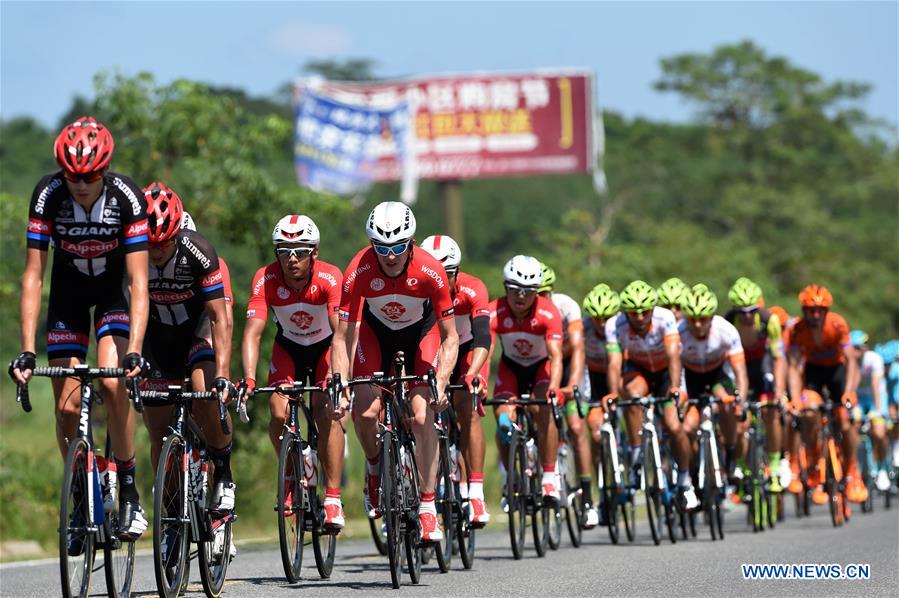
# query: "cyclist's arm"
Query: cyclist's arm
344,338
738,364
794,374
852,370
776,347
576,338
137,265
221,336
613,373
30,300
480,329
249,347
449,350
672,350
554,348
876,384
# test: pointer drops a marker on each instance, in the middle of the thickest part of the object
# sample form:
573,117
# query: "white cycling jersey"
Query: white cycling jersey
647,352
570,310
705,355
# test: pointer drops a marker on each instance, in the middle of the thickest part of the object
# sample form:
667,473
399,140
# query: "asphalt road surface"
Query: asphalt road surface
698,567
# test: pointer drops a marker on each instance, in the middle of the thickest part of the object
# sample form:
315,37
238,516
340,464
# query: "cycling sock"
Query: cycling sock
332,496
127,488
683,479
475,486
586,490
221,458
427,503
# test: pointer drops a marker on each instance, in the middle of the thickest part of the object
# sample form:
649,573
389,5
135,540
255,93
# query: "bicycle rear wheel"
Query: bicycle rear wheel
516,491
573,502
710,495
215,555
542,512
324,544
118,560
391,506
291,506
377,536
171,524
446,504
76,541
465,536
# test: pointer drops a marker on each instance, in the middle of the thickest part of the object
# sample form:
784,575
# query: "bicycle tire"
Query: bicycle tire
651,492
291,506
377,536
575,510
170,487
540,516
324,545
391,507
214,567
465,537
446,504
516,480
668,512
118,560
710,492
75,570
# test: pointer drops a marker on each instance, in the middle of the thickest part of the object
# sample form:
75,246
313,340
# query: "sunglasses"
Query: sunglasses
516,288
161,244
398,249
88,177
749,310
297,252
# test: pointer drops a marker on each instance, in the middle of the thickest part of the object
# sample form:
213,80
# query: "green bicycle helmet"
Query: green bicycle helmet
549,278
745,293
700,302
672,292
602,302
638,296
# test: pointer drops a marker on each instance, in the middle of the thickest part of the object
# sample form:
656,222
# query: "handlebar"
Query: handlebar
175,394
84,373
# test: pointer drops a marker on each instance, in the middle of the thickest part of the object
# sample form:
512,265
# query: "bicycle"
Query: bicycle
571,498
88,519
180,513
398,470
523,494
834,479
652,481
614,494
300,507
761,502
458,532
711,484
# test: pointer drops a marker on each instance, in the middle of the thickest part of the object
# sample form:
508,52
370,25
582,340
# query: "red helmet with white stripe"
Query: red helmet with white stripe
83,146
296,228
444,249
164,212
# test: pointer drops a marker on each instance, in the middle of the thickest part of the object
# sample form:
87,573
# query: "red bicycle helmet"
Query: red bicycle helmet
815,296
84,146
164,212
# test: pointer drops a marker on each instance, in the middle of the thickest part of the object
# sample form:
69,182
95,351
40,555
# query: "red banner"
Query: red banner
488,125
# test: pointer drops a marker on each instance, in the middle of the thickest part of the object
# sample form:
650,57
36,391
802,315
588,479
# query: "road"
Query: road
698,567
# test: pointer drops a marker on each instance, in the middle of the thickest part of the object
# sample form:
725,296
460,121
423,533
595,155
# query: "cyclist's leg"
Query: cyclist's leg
206,414
548,434
68,335
635,385
367,401
505,387
331,438
112,345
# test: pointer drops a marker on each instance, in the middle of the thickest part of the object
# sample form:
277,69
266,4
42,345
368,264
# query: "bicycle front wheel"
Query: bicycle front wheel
391,504
118,557
324,545
171,525
76,540
215,556
516,492
446,504
291,506
465,536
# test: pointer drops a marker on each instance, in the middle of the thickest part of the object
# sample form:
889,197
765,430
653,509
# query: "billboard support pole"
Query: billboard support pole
453,219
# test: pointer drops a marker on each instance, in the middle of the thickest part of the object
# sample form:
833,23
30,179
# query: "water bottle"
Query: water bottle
195,475
203,482
531,450
310,466
108,482
98,504
454,463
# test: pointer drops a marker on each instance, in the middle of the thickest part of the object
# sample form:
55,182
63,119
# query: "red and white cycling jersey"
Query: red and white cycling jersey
470,301
302,316
705,355
524,341
597,356
647,352
397,303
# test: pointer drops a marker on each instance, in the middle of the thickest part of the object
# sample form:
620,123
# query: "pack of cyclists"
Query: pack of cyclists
131,261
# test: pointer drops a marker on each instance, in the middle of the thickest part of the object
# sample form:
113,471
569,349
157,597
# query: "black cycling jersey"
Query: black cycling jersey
180,288
92,242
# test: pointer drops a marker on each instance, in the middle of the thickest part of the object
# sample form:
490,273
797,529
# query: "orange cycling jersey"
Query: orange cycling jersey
834,336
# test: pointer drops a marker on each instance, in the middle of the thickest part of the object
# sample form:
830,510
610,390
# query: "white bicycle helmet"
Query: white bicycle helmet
390,222
188,222
523,270
444,249
295,229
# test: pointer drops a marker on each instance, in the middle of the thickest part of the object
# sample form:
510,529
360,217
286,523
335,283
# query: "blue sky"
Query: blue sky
50,51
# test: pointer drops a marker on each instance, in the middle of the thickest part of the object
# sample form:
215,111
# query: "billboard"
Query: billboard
487,124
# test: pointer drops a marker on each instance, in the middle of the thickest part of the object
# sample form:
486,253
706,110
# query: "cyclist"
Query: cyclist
820,356
872,401
761,335
96,221
644,358
889,351
396,295
302,293
187,310
572,375
472,313
529,328
601,304
187,222
713,358
671,295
